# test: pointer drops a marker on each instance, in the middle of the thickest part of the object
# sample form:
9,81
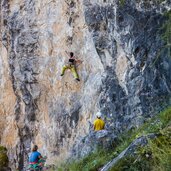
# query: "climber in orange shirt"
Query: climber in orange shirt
99,124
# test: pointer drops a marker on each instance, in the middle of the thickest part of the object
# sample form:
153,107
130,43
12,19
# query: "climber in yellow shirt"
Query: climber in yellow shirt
99,124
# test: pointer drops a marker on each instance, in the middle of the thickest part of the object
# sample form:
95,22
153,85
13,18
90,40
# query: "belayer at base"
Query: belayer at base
36,161
71,64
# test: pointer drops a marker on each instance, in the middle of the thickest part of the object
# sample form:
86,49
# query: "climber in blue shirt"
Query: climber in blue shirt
35,156
36,161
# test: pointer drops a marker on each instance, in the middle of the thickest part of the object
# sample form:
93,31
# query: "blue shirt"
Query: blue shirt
34,157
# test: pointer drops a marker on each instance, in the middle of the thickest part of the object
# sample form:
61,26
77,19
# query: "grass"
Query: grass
158,124
155,156
89,163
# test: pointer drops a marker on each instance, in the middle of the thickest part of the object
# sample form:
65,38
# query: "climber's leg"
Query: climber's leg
63,69
74,72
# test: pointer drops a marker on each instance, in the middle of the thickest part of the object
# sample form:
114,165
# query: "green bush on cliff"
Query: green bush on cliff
165,36
122,2
91,162
167,32
3,157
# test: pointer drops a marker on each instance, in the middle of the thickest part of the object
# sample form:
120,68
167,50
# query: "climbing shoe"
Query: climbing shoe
77,79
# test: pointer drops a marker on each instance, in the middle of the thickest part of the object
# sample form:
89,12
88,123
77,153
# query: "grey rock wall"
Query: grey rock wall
137,82
122,74
20,38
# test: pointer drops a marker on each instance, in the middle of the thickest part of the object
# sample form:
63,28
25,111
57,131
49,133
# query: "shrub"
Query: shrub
3,157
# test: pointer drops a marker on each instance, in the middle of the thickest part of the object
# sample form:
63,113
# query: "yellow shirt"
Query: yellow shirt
99,124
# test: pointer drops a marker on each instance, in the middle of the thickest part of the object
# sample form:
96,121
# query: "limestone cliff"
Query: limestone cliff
125,71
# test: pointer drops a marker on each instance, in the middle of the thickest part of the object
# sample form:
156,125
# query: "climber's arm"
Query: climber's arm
78,60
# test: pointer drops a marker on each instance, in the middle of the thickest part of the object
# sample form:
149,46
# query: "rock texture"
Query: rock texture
102,139
124,73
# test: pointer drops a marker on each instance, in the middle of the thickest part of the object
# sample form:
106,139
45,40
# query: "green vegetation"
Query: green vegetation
167,32
166,37
3,157
159,1
122,2
157,154
89,163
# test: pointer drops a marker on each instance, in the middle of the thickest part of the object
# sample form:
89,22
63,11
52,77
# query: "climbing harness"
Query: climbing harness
37,166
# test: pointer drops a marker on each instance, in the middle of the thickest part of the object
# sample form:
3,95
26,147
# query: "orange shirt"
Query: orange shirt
99,124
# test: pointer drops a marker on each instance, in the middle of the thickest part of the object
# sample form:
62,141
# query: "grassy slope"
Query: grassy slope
155,155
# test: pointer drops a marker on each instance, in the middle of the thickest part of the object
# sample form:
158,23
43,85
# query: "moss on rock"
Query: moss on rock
3,157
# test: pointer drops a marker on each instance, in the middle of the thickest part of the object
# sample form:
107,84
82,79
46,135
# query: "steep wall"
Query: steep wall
121,73
136,82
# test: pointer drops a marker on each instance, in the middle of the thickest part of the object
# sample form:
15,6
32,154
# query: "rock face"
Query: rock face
125,71
101,139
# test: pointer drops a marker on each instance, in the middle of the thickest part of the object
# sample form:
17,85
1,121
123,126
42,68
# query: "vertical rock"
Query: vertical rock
121,74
